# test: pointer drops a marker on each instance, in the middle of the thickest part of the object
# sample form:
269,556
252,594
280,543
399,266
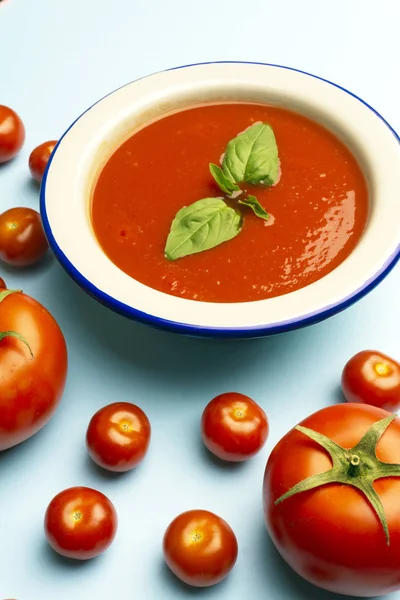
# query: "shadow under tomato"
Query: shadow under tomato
337,395
51,558
26,447
186,591
105,474
31,271
218,463
280,577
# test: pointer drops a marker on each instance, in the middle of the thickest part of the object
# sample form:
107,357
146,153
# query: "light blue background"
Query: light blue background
56,59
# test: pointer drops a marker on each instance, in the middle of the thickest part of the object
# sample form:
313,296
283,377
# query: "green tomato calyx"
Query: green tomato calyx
358,467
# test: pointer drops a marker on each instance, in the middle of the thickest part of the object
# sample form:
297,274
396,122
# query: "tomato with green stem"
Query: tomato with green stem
22,238
39,158
373,378
118,436
234,427
331,498
12,133
200,548
33,367
80,523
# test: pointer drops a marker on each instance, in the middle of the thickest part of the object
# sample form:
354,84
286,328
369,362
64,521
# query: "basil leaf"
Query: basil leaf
227,185
252,156
201,226
254,204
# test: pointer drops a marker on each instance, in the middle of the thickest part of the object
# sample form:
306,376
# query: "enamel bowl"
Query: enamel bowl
92,138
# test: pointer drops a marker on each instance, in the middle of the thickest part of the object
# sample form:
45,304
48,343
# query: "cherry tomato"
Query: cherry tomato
331,534
2,284
118,436
80,523
31,386
39,158
372,378
22,239
200,548
234,427
12,134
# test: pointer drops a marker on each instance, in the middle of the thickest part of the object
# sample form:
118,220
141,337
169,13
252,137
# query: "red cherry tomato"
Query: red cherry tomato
22,239
80,523
372,378
12,134
234,427
118,436
39,158
2,284
31,386
200,548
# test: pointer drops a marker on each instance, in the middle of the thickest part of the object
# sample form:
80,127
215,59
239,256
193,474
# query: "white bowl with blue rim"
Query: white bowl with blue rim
94,136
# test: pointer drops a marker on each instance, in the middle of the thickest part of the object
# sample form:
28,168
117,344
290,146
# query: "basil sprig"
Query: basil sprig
251,157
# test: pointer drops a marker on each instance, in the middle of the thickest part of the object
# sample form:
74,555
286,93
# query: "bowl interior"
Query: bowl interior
92,139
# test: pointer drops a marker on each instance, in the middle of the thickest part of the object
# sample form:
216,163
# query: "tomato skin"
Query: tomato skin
80,523
22,239
118,436
373,378
39,158
12,133
30,388
234,427
200,548
2,284
331,536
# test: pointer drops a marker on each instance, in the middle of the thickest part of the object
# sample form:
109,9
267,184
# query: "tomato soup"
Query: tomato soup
318,209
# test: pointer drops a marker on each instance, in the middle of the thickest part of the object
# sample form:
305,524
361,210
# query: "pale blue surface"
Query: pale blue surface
56,59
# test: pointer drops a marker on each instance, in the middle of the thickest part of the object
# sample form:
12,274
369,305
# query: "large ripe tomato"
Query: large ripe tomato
39,158
200,548
30,385
12,133
331,534
234,427
373,378
22,239
118,436
80,523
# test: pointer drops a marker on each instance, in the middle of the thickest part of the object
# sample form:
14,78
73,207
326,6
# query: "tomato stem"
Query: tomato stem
364,468
14,334
6,293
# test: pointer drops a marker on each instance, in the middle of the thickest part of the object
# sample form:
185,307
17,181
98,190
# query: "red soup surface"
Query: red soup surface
318,209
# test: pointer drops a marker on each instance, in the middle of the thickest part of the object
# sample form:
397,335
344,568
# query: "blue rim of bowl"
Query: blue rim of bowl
203,331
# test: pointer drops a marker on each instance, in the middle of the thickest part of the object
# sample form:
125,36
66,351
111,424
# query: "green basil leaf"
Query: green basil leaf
252,156
255,206
201,226
227,185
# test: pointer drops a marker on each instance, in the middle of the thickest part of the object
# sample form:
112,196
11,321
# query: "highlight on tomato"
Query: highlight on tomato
22,239
39,158
331,499
80,523
373,378
118,436
234,427
200,548
33,367
12,133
